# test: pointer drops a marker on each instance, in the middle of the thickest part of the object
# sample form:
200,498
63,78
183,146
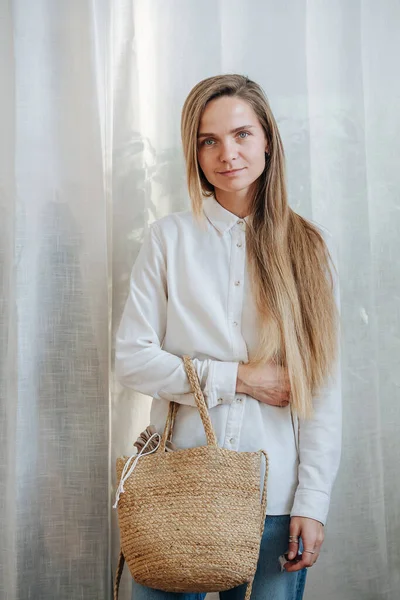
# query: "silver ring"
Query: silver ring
309,551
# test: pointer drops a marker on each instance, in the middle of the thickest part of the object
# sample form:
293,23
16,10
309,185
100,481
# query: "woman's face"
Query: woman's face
231,144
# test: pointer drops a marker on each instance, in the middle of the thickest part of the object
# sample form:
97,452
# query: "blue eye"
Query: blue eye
210,142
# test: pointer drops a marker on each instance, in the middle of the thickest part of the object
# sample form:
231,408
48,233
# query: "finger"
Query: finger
318,547
277,403
285,384
310,540
292,567
280,402
305,562
284,381
316,557
294,533
274,399
319,541
282,397
308,555
280,392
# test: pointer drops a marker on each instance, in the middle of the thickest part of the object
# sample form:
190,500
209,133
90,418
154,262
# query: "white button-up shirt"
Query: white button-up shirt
190,294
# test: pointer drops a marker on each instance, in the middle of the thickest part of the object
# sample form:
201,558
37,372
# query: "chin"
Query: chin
236,186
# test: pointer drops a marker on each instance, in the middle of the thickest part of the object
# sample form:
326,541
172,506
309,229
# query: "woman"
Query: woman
246,287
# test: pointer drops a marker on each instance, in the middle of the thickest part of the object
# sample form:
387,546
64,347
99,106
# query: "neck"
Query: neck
238,203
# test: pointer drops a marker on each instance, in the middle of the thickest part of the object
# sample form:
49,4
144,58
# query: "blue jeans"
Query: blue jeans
269,583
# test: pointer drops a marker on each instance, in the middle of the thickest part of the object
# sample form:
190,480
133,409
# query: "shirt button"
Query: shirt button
232,440
234,323
220,400
239,399
240,222
237,282
239,244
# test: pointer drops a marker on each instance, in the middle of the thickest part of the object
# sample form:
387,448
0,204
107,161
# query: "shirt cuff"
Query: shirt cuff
312,504
221,383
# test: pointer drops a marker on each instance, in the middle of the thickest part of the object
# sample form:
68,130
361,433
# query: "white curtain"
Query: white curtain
90,155
55,300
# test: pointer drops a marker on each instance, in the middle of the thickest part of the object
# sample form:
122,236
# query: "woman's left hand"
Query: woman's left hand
312,535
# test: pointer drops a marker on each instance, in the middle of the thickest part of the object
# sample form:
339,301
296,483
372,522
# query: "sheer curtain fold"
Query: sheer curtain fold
8,380
90,155
54,457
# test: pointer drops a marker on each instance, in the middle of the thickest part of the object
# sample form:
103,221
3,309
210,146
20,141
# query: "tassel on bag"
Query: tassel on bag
146,435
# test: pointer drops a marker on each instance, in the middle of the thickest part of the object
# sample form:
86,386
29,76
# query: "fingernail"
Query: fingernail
291,555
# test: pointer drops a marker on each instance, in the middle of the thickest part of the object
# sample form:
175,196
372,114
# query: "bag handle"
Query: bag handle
249,586
118,574
169,425
200,403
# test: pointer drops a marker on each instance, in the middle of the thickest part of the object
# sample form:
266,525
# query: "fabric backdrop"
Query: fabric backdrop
89,156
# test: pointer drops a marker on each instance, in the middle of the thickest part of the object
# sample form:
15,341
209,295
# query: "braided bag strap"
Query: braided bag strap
200,401
169,425
118,574
201,406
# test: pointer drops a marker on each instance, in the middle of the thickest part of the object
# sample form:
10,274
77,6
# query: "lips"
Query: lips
231,171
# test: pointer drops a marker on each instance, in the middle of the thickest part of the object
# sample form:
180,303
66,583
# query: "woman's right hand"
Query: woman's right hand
267,383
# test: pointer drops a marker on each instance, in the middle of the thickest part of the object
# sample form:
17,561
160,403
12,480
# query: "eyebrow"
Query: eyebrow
200,135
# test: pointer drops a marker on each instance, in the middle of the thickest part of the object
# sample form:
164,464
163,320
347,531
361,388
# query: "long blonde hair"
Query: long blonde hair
289,262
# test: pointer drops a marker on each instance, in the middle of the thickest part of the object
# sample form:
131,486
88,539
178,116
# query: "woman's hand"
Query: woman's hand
267,383
312,535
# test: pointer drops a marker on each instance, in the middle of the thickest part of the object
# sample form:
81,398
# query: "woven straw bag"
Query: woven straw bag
192,520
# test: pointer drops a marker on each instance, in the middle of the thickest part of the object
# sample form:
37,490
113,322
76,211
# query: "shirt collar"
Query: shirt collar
220,217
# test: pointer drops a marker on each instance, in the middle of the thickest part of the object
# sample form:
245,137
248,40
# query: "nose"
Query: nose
228,151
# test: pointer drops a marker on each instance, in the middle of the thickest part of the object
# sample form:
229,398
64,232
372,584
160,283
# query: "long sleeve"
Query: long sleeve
320,440
140,361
